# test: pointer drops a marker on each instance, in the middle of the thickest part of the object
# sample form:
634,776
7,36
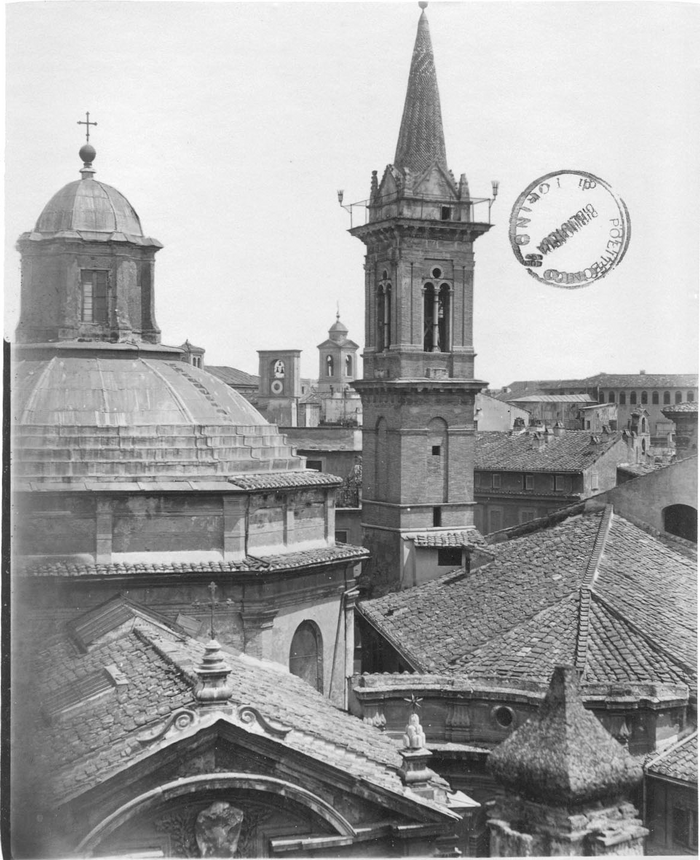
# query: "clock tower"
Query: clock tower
418,388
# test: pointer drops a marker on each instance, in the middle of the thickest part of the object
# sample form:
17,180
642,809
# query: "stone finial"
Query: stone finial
414,738
213,688
563,755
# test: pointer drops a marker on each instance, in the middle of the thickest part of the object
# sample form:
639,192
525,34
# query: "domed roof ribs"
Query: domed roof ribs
421,137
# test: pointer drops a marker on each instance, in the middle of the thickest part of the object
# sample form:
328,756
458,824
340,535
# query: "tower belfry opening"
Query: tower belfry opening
419,353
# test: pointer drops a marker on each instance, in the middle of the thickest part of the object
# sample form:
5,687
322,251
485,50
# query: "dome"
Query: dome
87,205
338,327
136,419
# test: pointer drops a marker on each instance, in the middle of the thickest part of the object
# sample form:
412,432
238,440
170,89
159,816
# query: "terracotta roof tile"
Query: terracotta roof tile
573,451
92,741
463,537
679,762
289,561
280,480
523,612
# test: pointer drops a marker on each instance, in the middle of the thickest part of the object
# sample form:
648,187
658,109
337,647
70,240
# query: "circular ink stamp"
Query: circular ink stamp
569,229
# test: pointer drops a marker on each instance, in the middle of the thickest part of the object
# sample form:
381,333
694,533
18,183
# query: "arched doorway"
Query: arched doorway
306,655
682,521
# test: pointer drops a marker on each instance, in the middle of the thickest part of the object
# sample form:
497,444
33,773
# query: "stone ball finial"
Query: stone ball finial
423,3
87,153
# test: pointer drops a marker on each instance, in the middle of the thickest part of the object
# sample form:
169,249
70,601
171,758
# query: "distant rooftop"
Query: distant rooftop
572,451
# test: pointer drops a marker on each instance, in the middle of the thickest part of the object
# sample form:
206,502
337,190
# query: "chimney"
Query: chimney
559,429
642,372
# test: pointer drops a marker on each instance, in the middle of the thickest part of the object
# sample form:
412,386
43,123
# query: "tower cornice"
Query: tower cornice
400,228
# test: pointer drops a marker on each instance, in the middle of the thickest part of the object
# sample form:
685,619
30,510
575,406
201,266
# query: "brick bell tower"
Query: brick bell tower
418,388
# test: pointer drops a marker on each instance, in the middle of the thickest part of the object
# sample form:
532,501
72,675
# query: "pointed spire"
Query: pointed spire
421,138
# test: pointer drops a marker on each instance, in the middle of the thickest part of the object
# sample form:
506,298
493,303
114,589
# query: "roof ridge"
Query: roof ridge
582,633
648,639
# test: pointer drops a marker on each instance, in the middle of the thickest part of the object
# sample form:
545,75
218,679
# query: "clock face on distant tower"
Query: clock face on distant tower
276,386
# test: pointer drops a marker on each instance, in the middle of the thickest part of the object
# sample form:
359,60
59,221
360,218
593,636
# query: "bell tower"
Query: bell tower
418,388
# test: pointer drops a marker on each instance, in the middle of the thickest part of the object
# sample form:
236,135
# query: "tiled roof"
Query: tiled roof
573,451
644,380
678,762
280,480
554,398
232,376
289,561
590,589
605,380
99,737
690,407
464,537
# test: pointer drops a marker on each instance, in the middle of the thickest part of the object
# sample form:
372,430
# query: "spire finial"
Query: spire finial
423,4
87,150
337,311
421,137
87,123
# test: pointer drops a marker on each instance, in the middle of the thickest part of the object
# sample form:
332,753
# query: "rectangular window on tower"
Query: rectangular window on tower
94,290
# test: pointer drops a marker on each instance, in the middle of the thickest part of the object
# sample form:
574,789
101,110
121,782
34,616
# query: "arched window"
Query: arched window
623,398
655,398
667,398
633,398
428,316
679,396
329,365
645,398
436,318
383,315
348,365
611,397
690,396
681,520
306,655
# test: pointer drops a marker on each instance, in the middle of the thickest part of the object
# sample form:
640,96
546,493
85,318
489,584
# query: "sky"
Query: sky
231,126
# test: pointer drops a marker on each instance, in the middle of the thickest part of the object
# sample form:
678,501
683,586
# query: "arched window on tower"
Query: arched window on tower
306,655
655,398
690,396
611,397
444,318
383,315
623,398
633,398
329,365
645,398
428,316
679,396
667,398
348,365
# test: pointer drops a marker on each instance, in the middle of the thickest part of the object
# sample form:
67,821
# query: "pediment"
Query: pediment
435,182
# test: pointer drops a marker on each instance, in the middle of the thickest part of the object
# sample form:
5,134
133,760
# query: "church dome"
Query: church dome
94,418
87,205
338,327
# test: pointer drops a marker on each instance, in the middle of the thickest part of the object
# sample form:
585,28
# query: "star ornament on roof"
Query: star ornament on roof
414,703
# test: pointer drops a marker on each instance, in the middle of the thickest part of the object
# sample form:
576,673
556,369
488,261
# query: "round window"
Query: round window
437,273
504,717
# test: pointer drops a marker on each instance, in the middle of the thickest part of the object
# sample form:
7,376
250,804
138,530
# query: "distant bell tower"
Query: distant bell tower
418,388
